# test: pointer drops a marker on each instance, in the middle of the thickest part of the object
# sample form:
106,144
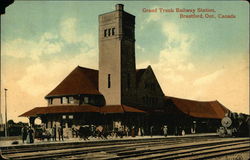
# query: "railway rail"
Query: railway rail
155,148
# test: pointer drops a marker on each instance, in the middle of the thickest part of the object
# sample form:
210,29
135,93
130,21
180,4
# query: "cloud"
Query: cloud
50,44
229,86
68,30
139,49
153,17
29,83
209,79
21,48
173,60
18,48
40,78
70,33
89,39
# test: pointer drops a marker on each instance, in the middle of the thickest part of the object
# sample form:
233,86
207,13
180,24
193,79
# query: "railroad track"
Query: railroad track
62,145
160,148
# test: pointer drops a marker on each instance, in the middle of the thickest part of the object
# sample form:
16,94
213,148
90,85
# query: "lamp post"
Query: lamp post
6,125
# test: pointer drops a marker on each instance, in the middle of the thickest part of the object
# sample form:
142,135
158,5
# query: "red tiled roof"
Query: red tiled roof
78,109
199,109
60,109
80,81
119,109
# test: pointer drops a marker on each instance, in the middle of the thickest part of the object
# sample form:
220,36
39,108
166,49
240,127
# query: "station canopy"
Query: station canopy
198,109
80,109
120,109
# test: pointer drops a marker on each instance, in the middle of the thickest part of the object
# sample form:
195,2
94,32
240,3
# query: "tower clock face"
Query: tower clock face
226,122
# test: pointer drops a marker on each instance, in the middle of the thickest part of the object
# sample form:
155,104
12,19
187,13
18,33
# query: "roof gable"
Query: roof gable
145,75
80,81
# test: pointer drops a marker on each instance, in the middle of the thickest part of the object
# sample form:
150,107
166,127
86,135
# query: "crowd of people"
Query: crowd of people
28,134
101,132
54,133
84,132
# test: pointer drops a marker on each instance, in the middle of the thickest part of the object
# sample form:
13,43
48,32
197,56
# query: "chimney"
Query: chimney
119,7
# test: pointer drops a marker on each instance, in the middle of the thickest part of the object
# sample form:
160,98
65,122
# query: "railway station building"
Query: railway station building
118,94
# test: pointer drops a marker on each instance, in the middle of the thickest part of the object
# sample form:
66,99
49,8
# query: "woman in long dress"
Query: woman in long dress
28,138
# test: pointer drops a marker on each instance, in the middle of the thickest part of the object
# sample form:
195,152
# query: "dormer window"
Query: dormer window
64,100
71,100
50,100
86,100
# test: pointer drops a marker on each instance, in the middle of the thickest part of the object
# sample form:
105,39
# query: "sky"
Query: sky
201,59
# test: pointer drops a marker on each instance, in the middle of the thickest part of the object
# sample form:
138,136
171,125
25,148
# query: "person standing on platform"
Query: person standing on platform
133,132
139,131
142,131
30,135
151,130
24,133
126,130
54,132
165,131
60,133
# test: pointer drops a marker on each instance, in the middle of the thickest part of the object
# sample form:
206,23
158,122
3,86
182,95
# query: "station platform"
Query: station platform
8,143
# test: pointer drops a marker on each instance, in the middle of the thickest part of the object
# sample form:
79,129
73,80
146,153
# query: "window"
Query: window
105,33
50,100
71,116
109,32
113,31
71,100
63,116
64,100
86,100
109,81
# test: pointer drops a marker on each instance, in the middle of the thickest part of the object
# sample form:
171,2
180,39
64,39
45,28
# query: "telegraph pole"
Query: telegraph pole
6,125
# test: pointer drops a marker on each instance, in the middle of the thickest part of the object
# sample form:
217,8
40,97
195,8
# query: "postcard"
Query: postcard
180,64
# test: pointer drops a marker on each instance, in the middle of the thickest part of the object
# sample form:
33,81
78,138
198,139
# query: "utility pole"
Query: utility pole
6,125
